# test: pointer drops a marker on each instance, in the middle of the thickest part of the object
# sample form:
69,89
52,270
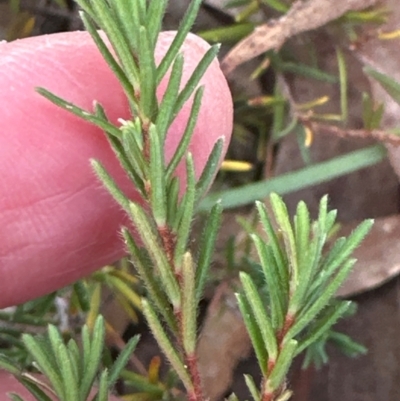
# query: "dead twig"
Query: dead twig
379,135
303,16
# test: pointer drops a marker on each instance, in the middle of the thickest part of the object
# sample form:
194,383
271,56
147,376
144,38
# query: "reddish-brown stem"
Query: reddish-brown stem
197,394
267,395
289,320
169,242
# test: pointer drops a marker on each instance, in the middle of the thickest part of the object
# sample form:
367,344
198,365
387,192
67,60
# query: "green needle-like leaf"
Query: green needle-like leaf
166,109
282,218
165,344
279,256
92,354
189,305
275,291
102,394
187,208
210,170
285,358
195,78
106,20
110,184
187,135
105,125
184,28
206,248
16,397
148,85
254,332
312,309
42,355
255,393
155,13
343,84
391,86
349,246
122,360
153,287
156,252
173,201
113,64
82,294
157,178
33,388
259,311
324,324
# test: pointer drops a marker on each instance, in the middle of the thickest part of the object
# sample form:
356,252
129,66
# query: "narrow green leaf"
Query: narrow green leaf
127,16
189,305
147,76
312,309
187,207
172,201
271,275
305,70
277,5
323,325
122,360
391,86
196,76
153,287
142,384
155,13
111,61
41,353
15,397
152,243
68,373
347,345
132,141
254,332
209,171
157,178
8,365
279,255
35,390
93,348
343,84
206,248
293,181
165,344
76,359
102,393
227,34
255,393
166,109
341,255
106,20
282,217
260,313
187,135
183,30
110,184
285,358
82,295
85,115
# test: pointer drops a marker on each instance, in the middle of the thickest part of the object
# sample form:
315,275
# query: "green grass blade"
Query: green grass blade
293,181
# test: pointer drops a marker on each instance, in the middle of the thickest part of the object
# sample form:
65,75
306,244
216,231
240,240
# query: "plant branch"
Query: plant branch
302,17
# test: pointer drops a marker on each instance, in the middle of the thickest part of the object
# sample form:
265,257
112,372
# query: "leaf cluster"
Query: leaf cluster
298,307
72,373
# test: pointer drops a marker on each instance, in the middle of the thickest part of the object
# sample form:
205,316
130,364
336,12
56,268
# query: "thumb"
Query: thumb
57,223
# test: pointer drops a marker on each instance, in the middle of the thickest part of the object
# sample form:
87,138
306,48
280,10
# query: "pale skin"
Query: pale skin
57,223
